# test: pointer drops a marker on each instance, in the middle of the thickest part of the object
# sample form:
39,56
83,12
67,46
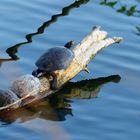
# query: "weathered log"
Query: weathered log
50,107
84,52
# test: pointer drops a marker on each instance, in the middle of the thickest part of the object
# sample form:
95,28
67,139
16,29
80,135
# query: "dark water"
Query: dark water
101,108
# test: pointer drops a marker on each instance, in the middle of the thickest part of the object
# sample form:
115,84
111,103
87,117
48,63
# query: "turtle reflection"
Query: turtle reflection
57,106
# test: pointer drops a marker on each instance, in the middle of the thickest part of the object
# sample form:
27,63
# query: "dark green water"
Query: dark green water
103,108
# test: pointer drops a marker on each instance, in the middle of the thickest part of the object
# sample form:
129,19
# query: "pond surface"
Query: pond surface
109,109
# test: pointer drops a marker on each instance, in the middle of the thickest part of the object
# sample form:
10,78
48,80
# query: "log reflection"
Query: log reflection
2,60
57,106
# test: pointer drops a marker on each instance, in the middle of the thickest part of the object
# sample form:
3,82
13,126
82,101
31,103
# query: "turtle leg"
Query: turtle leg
37,73
69,44
53,83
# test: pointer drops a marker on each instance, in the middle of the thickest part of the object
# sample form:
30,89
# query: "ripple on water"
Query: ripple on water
115,113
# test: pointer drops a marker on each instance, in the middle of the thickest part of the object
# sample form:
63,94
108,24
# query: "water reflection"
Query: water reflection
2,60
138,31
65,11
129,10
57,106
121,8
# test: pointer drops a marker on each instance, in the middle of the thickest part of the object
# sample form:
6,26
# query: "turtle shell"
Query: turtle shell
25,85
55,59
8,97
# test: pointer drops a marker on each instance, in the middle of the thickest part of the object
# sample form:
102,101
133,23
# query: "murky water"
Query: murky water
105,107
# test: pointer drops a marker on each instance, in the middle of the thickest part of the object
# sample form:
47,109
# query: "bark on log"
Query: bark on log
84,52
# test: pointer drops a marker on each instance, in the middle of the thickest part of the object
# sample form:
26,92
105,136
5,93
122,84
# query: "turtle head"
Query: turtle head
69,44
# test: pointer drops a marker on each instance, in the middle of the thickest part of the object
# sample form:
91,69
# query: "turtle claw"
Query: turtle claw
35,73
38,73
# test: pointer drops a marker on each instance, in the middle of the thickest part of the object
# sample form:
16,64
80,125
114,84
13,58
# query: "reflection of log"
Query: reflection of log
95,41
57,106
87,88
5,60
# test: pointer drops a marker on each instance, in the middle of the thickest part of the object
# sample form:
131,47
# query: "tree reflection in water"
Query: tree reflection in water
13,50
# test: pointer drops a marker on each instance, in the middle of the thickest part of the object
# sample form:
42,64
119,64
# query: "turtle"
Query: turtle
26,85
53,60
21,92
8,97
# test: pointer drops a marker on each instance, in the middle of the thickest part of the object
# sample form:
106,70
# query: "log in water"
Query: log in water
84,52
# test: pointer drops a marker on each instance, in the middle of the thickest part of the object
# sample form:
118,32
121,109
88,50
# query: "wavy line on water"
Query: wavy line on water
12,51
5,60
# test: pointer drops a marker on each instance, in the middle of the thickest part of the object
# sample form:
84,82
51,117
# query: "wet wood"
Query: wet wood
84,52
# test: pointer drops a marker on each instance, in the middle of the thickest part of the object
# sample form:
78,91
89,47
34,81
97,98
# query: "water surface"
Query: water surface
109,107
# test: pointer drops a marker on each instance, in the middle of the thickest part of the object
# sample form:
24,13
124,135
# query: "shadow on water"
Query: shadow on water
57,106
65,11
